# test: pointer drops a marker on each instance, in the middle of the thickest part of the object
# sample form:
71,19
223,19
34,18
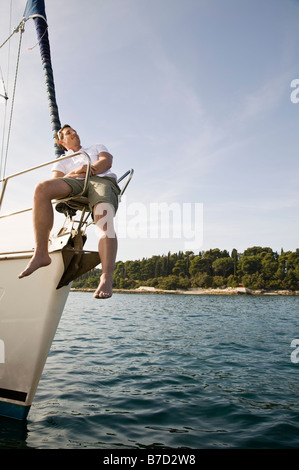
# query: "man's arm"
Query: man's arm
103,164
57,174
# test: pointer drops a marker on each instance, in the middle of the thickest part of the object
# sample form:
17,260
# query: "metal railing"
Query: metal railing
128,173
5,180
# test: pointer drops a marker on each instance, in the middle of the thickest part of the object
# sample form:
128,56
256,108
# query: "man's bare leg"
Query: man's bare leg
107,248
43,221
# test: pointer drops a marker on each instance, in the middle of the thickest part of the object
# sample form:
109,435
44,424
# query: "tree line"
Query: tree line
255,268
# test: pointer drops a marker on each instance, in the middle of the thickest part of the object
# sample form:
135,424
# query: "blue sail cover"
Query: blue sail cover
36,9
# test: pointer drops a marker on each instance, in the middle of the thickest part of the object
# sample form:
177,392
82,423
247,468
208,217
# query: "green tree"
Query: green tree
258,267
235,257
269,266
250,264
197,265
223,266
180,268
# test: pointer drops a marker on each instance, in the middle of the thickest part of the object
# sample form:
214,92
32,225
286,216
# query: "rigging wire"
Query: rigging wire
4,123
42,33
16,30
4,155
5,96
9,44
19,28
5,92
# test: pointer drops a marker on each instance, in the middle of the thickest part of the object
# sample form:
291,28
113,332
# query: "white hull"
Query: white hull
30,310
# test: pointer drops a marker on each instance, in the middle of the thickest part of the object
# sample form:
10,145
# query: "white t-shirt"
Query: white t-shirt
69,164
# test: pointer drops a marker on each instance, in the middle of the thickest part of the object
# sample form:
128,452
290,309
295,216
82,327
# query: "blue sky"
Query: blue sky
193,94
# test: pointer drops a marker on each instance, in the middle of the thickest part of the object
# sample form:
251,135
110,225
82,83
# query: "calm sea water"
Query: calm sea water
176,371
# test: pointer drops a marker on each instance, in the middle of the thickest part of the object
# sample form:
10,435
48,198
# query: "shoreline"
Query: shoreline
197,291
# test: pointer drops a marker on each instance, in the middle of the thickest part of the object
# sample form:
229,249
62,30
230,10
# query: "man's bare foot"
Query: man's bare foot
35,263
104,290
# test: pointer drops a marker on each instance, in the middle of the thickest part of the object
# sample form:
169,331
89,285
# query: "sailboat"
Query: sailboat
30,310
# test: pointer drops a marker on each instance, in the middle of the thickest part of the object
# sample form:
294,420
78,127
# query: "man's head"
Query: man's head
68,139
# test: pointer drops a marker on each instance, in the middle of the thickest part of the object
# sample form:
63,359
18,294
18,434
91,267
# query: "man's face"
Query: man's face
70,139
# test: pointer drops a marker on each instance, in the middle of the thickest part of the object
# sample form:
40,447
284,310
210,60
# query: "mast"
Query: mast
36,9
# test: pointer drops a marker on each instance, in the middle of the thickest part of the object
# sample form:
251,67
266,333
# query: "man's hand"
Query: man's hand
79,172
103,164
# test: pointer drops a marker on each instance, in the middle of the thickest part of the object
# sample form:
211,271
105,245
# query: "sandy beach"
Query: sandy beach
199,291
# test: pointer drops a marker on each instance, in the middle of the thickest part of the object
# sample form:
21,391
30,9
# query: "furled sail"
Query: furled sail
36,9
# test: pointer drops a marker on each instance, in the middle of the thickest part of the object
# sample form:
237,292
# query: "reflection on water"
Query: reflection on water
13,434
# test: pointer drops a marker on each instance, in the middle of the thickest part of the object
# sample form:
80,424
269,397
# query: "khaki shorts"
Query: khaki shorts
100,189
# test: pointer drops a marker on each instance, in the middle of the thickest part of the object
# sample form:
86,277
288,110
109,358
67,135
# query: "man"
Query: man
68,179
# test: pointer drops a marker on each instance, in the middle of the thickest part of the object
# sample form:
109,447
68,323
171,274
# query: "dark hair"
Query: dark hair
58,137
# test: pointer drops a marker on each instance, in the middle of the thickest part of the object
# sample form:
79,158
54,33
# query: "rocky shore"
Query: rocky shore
198,291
